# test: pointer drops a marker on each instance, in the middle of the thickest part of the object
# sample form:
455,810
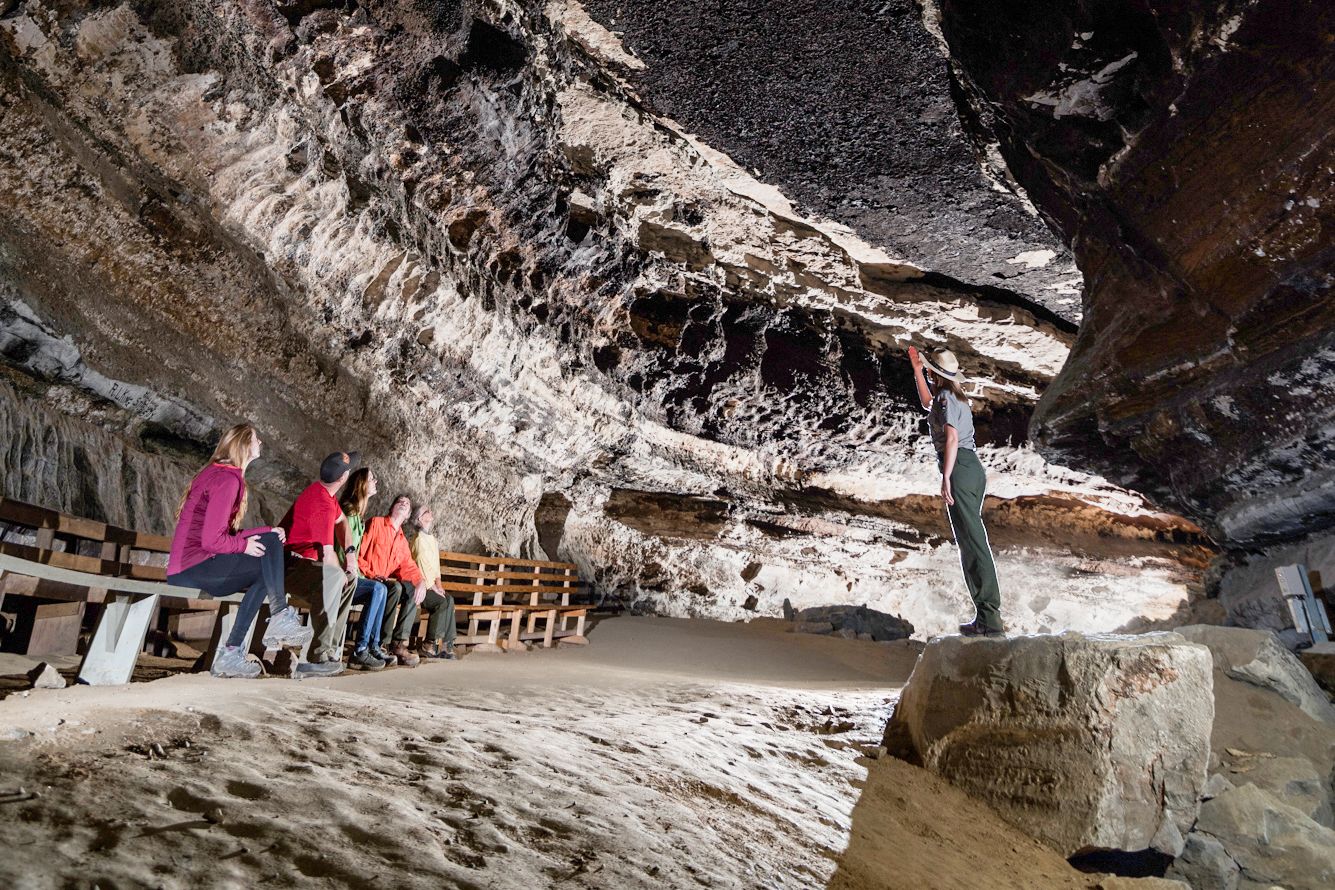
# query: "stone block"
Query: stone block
1086,743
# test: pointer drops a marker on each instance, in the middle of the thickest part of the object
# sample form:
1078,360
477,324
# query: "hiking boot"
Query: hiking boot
363,660
974,629
427,650
320,668
285,629
405,656
231,661
377,652
448,652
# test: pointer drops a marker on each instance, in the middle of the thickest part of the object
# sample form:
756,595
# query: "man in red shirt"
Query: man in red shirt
385,556
314,576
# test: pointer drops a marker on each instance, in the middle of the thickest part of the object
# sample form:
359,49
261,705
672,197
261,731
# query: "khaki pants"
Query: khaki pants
325,592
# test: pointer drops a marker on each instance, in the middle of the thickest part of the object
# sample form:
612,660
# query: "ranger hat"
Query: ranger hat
944,363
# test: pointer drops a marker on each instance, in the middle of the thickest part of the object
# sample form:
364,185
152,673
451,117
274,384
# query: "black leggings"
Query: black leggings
260,577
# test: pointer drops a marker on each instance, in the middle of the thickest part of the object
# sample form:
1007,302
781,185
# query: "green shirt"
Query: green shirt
356,527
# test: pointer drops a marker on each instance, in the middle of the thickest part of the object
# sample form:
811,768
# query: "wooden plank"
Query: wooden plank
553,577
549,632
55,522
461,587
86,579
450,556
90,564
151,543
55,629
193,624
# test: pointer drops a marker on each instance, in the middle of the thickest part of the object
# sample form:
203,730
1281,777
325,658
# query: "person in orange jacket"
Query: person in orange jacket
385,556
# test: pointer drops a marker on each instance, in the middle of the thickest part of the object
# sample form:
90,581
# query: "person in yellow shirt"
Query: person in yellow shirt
439,605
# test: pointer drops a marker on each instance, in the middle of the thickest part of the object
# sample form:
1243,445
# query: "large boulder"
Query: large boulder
1258,658
1272,842
1294,780
1087,743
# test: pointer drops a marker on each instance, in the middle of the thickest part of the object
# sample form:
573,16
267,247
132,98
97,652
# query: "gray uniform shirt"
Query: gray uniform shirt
948,409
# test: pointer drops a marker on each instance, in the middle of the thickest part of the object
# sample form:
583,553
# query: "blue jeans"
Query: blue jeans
368,628
261,577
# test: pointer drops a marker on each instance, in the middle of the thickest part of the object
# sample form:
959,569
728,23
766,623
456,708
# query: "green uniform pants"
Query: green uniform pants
440,617
401,615
968,484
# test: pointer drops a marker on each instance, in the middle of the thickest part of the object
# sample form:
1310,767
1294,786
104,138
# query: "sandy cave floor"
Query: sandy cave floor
669,753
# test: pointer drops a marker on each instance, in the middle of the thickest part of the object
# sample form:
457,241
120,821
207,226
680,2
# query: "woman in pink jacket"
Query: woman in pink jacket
212,552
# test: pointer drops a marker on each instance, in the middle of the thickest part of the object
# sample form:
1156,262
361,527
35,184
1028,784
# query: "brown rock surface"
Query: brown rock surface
1184,151
1320,662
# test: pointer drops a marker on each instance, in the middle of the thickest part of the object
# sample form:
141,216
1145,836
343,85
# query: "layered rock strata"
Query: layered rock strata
452,236
1184,151
850,110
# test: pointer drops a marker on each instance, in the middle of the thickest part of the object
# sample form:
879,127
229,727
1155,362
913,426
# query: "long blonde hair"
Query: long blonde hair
233,450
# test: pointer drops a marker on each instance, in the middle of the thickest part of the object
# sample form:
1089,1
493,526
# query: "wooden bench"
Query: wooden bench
507,601
533,596
129,605
132,595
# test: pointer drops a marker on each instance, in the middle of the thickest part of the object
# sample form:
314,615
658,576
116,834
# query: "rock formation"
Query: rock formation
1290,850
1184,152
1104,742
1266,815
1086,743
455,236
1258,658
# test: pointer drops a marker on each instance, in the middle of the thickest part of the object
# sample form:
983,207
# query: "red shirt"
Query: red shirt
310,522
384,553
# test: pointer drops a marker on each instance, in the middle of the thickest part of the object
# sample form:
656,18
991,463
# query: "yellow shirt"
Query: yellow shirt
426,553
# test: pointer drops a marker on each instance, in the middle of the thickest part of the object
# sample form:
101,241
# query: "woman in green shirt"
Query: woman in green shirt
367,654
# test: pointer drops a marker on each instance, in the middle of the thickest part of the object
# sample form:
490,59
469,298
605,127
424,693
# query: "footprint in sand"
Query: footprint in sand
247,790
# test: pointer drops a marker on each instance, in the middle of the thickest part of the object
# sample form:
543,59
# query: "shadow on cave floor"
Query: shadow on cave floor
912,830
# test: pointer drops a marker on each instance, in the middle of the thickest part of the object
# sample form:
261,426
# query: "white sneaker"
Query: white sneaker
231,661
286,629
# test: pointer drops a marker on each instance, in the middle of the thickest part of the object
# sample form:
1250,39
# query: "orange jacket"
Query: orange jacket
384,553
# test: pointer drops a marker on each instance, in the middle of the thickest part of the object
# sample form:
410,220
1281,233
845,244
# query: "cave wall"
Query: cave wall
455,237
1184,150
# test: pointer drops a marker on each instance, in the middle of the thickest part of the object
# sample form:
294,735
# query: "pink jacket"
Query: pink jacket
204,529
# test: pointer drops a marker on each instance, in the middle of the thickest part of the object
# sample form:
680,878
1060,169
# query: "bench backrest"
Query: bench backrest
502,579
89,545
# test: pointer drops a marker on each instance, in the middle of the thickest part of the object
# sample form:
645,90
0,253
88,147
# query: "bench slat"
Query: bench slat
451,556
101,582
43,519
91,564
521,576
